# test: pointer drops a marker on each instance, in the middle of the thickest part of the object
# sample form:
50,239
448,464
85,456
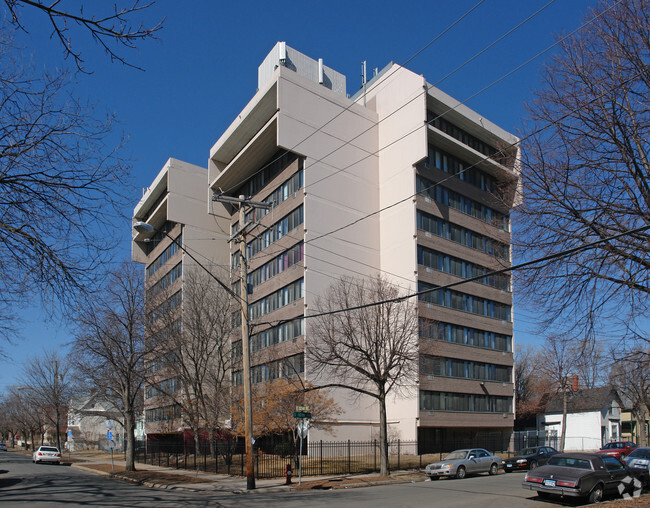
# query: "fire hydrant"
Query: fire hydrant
288,473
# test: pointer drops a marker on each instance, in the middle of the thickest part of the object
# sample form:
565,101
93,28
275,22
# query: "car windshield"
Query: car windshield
610,446
458,454
527,451
48,449
569,462
642,453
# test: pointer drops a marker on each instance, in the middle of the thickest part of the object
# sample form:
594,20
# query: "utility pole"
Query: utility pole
246,363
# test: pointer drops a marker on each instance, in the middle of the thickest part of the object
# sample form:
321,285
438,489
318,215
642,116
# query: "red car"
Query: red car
618,449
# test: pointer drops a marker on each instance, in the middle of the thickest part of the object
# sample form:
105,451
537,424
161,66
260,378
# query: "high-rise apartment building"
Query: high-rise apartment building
176,206
400,179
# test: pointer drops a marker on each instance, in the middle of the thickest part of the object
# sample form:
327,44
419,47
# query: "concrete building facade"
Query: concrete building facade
400,179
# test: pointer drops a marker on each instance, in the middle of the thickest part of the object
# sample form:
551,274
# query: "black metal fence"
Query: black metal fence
527,438
318,458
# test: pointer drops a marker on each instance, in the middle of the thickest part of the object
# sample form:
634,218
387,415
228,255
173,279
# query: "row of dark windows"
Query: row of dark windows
444,401
165,256
165,387
444,125
272,168
285,191
163,414
272,336
458,234
277,265
281,298
465,205
463,302
464,369
462,170
273,233
167,307
160,234
460,268
448,332
284,368
161,362
165,281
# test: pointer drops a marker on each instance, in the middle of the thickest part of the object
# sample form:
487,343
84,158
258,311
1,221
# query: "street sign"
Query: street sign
303,426
109,424
109,435
302,408
301,414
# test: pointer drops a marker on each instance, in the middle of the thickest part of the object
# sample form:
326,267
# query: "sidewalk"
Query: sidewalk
199,481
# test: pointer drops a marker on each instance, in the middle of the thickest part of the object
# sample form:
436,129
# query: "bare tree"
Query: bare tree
630,375
47,381
109,349
109,25
61,189
586,175
525,374
366,337
197,355
557,361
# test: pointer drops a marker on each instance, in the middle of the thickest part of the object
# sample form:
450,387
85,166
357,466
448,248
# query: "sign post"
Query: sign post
111,445
303,415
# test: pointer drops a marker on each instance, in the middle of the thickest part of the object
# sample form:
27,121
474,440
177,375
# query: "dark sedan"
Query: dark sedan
582,475
529,458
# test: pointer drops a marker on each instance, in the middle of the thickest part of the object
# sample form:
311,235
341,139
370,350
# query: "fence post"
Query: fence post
399,451
374,453
349,467
321,457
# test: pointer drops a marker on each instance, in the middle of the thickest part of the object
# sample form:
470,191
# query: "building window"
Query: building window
466,402
272,336
448,264
277,300
165,281
467,336
284,368
273,167
163,414
458,234
277,265
165,256
276,231
463,302
462,170
285,191
453,367
450,198
166,387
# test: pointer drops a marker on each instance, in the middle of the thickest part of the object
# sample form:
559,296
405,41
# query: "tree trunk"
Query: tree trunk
213,444
129,430
564,411
383,435
640,423
197,445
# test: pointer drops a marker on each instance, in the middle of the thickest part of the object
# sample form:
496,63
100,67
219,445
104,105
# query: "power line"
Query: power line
550,257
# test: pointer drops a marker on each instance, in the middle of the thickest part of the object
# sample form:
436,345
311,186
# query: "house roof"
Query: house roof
583,401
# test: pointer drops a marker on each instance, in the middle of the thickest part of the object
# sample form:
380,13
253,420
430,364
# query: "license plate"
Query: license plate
508,465
549,483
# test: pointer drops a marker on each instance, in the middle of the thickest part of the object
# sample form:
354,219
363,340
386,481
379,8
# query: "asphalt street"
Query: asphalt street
23,483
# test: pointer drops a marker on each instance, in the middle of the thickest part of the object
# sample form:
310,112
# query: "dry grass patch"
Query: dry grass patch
147,475
346,482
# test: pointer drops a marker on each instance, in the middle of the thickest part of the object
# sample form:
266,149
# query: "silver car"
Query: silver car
460,463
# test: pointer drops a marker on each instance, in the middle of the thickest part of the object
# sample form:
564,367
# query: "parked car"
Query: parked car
460,463
582,475
47,454
618,449
3,447
529,458
639,461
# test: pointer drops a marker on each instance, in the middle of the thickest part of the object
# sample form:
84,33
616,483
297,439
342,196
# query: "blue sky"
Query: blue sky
202,70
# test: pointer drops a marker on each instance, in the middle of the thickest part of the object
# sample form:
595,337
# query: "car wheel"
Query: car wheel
494,469
596,494
460,472
533,464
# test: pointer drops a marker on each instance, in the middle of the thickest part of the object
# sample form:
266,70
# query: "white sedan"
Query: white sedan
47,454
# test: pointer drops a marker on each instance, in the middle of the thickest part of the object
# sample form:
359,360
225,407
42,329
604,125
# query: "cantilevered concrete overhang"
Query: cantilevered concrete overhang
248,142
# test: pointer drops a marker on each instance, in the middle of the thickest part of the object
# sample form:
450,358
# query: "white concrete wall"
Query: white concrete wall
583,429
335,194
399,98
